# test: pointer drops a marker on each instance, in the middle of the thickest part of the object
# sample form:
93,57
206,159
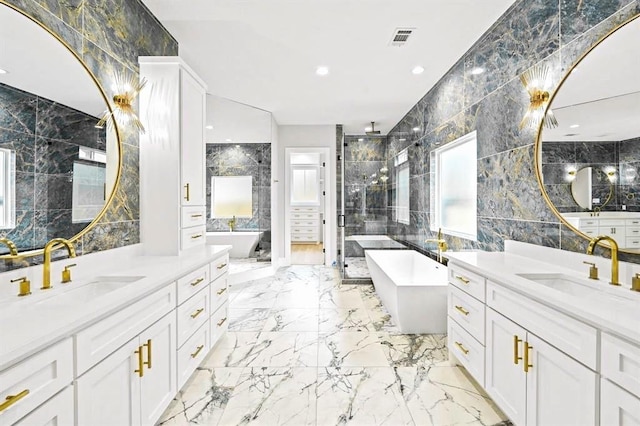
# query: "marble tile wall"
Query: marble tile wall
45,137
108,36
248,159
510,204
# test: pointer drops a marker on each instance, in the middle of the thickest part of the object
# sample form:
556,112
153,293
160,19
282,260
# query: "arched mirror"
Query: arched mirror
57,170
588,166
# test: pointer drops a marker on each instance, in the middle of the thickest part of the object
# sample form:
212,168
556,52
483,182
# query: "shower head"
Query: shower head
373,130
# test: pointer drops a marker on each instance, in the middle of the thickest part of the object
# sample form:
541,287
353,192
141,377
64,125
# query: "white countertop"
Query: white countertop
27,326
619,317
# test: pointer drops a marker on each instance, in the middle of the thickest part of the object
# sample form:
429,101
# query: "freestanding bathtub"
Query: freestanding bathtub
243,243
412,287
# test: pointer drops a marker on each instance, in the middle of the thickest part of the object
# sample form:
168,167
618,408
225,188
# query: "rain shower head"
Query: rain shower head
373,130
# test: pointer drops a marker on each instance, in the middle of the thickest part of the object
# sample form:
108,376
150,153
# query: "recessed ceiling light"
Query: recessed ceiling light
574,126
367,129
3,71
237,146
322,70
228,140
417,70
209,127
416,129
361,140
477,70
402,140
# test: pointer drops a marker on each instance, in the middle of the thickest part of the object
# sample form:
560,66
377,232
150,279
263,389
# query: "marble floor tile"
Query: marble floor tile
248,319
285,319
285,349
344,296
361,396
273,396
357,267
354,319
415,350
248,300
382,321
442,396
301,298
233,350
351,349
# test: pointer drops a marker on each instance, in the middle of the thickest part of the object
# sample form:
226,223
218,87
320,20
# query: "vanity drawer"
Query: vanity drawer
467,350
303,209
633,222
620,363
219,293
304,216
467,281
218,324
192,354
192,314
304,238
588,223
193,216
611,223
306,222
633,231
191,283
633,242
219,266
193,237
573,337
96,342
589,230
38,378
59,410
617,407
467,312
304,230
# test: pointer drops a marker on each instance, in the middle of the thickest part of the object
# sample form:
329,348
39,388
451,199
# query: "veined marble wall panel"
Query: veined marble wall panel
510,203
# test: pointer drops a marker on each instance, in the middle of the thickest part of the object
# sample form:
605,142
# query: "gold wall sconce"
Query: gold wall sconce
126,88
537,82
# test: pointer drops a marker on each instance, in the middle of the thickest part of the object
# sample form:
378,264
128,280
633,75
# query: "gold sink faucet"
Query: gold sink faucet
232,223
442,244
48,248
13,250
614,255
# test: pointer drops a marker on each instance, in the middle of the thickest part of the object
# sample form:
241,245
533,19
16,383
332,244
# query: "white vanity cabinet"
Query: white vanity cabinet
620,384
305,224
172,156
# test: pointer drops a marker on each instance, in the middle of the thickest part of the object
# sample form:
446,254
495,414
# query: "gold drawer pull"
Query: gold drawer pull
140,369
195,237
222,265
463,279
222,290
516,356
463,310
12,399
196,313
527,366
196,215
222,321
196,282
198,349
148,361
462,348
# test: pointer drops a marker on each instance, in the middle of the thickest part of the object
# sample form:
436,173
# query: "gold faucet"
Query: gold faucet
48,248
614,255
13,250
442,244
232,223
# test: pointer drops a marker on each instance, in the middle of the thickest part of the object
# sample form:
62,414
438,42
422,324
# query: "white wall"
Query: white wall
306,137
277,231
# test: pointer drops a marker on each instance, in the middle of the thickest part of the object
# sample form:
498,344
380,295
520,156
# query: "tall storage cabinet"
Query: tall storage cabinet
172,156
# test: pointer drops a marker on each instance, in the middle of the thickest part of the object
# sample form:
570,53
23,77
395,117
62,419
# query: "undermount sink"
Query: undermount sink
95,288
576,286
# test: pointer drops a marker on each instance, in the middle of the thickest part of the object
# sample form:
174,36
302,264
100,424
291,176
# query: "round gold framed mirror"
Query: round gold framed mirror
588,167
58,171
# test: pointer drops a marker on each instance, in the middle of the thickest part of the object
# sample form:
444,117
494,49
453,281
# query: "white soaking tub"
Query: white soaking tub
243,242
412,287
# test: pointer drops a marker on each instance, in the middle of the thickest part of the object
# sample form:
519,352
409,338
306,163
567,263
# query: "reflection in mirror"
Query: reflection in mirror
239,145
52,153
231,196
598,137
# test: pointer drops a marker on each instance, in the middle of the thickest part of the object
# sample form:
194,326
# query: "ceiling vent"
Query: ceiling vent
401,36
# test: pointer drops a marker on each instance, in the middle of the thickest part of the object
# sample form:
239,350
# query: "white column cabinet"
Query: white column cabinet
192,153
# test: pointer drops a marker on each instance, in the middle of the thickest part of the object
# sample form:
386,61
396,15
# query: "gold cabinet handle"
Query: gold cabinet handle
462,310
527,366
196,282
187,195
222,265
196,215
148,346
463,279
516,357
196,313
12,399
462,348
140,369
222,321
195,237
222,290
198,349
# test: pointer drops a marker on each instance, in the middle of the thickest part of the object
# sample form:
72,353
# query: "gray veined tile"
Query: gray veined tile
342,319
408,350
305,297
351,349
442,396
248,319
285,349
273,396
360,396
284,319
235,349
249,300
345,296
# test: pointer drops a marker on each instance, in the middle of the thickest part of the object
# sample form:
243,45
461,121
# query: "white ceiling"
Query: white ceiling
232,122
265,52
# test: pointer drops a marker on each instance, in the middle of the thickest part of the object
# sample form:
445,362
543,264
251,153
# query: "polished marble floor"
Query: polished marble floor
303,349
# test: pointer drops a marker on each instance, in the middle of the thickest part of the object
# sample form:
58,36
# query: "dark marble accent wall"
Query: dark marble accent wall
108,36
510,204
45,137
339,163
248,159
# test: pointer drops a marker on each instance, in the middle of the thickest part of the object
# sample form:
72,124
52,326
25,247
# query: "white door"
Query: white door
192,101
617,406
158,385
560,391
109,393
505,381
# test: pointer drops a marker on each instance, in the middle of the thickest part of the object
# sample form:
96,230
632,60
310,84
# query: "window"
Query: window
231,196
7,189
88,191
454,188
305,185
401,163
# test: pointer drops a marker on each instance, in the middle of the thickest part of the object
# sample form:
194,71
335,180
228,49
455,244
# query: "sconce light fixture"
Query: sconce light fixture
126,88
538,82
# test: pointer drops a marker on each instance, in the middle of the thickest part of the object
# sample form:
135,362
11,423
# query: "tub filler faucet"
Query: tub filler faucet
232,223
442,244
